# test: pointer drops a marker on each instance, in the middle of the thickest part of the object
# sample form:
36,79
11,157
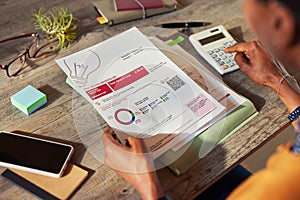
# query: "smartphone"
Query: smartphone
33,154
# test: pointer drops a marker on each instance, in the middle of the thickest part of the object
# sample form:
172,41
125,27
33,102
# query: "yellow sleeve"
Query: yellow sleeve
280,179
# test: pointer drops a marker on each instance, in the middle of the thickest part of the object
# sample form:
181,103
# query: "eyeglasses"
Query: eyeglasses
14,65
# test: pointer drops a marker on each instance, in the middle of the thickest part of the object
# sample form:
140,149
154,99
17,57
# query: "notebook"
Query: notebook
190,154
109,15
121,5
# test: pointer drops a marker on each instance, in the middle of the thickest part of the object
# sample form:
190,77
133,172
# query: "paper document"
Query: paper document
209,82
139,91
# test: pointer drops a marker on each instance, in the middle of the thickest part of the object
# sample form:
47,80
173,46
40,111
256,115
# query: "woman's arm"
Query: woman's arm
256,64
134,163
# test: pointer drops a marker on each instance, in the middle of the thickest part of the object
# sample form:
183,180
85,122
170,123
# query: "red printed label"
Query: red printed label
99,91
128,78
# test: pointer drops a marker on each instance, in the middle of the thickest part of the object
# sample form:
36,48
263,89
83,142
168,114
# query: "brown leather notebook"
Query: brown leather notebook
47,187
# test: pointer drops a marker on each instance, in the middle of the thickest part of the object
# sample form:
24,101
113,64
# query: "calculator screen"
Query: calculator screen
211,39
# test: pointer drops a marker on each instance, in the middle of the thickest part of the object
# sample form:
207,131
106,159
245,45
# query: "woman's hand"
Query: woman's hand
255,63
133,162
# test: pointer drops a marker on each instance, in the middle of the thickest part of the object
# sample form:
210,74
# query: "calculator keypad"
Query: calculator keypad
224,60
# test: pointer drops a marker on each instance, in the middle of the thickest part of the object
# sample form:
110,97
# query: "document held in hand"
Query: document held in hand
139,91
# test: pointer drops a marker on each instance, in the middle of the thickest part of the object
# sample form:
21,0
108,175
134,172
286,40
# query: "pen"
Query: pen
185,24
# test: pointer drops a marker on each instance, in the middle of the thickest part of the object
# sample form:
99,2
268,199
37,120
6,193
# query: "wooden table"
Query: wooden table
55,120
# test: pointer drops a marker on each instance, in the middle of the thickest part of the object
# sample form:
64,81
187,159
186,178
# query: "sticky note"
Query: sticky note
176,41
101,20
28,99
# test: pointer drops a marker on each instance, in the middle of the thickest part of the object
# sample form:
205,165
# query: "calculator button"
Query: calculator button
218,59
227,60
231,64
221,63
224,67
230,55
214,56
224,57
225,43
221,53
210,52
216,50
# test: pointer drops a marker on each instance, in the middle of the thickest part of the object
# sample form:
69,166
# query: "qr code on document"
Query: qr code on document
175,83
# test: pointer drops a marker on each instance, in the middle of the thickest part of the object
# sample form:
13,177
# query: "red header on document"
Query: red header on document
99,91
128,78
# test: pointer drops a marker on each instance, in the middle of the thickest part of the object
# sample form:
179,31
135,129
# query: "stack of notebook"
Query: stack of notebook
118,11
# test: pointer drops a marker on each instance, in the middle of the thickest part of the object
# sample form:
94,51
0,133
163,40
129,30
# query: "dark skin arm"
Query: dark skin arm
260,69
134,164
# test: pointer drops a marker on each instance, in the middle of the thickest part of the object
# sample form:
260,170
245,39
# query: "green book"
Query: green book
189,154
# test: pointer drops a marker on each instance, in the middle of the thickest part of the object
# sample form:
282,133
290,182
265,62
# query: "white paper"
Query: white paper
140,91
215,87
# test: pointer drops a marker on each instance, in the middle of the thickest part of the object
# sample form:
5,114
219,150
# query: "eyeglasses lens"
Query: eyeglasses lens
13,54
33,47
16,66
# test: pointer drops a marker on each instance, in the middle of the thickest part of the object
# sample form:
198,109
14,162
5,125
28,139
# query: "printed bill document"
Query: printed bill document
139,91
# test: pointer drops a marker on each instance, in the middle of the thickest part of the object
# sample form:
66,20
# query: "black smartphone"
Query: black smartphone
34,155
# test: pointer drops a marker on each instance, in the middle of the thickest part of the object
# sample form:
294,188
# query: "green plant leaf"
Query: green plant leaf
58,24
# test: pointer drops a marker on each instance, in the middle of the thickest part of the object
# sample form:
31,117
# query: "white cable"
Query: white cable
143,8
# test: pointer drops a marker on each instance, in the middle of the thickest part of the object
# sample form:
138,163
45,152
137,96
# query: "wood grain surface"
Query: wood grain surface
56,119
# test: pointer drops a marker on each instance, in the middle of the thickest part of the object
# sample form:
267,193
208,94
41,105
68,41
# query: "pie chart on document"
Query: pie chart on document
90,125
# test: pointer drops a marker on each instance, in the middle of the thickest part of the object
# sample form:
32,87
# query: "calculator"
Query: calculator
210,45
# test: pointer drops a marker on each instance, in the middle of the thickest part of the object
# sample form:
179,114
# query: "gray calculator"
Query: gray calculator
210,45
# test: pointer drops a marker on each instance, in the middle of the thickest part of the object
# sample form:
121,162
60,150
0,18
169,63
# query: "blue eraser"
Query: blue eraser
28,100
